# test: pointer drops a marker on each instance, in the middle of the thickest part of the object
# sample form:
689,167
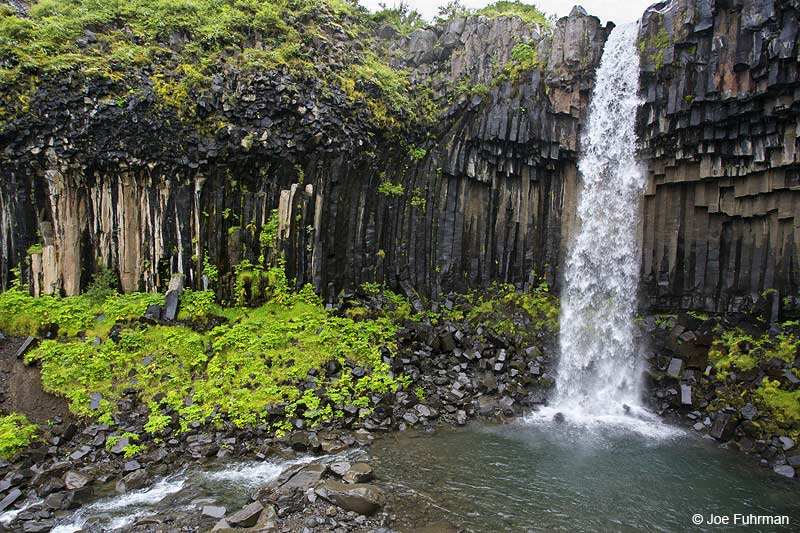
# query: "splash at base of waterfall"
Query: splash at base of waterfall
578,421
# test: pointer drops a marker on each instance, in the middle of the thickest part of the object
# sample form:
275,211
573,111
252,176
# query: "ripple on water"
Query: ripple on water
543,476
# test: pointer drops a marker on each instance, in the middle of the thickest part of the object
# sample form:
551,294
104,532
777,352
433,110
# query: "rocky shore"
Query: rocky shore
484,363
733,378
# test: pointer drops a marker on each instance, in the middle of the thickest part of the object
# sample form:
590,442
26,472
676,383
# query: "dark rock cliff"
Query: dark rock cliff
720,130
488,195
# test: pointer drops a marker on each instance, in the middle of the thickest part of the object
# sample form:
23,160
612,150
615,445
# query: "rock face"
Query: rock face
489,198
720,129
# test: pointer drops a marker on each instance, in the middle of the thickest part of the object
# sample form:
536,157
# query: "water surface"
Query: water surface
537,477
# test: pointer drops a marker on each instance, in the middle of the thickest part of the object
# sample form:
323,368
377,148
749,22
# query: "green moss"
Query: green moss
16,434
524,59
499,305
418,199
782,405
178,45
417,154
34,249
387,188
656,45
737,351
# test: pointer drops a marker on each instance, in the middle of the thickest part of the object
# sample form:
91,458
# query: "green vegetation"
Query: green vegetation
527,12
418,199
735,351
387,188
174,47
257,360
22,315
34,249
656,44
401,17
16,433
130,449
499,307
524,58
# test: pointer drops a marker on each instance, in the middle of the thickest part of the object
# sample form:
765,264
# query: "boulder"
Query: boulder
75,480
339,468
675,368
359,498
723,427
359,473
247,516
134,480
214,511
10,498
38,526
304,478
785,470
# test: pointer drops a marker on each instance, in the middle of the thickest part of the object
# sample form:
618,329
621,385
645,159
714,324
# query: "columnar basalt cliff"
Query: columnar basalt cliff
482,200
720,130
487,194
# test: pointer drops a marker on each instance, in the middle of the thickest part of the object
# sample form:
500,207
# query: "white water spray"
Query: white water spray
597,372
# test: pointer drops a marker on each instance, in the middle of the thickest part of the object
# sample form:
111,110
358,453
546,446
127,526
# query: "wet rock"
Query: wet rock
299,441
411,418
686,395
305,477
13,495
80,453
133,481
787,443
723,427
247,516
359,473
359,498
461,417
339,468
38,526
75,480
130,466
675,368
426,412
749,411
214,511
785,471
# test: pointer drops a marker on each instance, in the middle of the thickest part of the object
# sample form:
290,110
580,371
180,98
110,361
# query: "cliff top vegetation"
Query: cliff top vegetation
177,48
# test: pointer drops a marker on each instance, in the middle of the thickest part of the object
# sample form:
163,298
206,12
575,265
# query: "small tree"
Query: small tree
453,9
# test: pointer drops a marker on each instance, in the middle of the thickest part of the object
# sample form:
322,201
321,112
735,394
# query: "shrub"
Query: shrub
16,433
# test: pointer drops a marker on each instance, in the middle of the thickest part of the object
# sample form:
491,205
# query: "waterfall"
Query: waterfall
597,371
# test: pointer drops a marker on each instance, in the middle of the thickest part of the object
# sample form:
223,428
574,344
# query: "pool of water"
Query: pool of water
536,476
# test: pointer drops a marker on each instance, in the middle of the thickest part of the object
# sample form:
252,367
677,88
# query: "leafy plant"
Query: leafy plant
16,433
387,188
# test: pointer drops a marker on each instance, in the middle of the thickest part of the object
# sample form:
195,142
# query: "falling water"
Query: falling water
597,373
